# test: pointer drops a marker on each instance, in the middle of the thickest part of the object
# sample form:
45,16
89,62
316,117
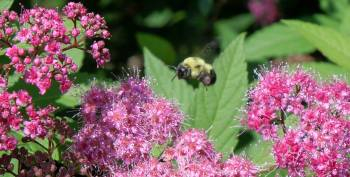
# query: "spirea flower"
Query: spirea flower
74,10
152,168
192,155
276,94
238,166
94,102
264,11
198,169
193,146
290,153
37,45
122,125
14,107
319,142
99,53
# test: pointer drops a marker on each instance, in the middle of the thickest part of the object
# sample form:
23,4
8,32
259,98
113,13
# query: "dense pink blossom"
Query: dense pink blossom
276,94
122,124
14,107
193,146
238,166
3,82
37,46
94,102
154,168
290,153
264,11
319,140
74,10
195,157
99,52
199,169
94,145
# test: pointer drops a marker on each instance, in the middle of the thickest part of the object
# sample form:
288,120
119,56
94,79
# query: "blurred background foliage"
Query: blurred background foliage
173,30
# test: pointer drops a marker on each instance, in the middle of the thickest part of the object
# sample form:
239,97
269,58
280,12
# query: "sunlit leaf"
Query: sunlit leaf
5,4
333,44
276,40
259,151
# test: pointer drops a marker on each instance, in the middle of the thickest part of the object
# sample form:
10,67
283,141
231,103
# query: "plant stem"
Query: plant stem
282,118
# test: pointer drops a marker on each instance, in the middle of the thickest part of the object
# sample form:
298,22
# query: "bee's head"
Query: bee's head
208,79
183,72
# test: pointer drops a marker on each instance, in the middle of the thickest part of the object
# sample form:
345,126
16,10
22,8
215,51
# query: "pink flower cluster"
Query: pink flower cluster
37,41
12,117
320,141
121,125
264,11
195,157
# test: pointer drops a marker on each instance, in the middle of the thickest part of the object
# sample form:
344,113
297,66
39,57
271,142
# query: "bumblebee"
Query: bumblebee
196,68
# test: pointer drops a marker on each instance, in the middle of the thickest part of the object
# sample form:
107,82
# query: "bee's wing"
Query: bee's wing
210,51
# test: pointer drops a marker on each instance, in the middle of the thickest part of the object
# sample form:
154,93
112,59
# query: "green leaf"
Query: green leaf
3,51
326,20
178,16
259,151
49,4
30,146
228,29
53,96
327,70
5,4
334,8
39,100
237,23
215,107
333,44
345,22
13,78
275,172
275,41
77,55
159,46
205,6
175,89
158,19
34,147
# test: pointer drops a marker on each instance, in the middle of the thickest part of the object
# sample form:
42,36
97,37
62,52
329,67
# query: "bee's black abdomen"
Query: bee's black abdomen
208,78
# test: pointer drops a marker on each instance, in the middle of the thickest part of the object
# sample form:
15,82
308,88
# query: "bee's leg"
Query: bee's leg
173,78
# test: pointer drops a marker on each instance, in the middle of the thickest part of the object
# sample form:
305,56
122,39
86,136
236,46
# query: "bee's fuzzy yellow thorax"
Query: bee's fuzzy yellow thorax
196,64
